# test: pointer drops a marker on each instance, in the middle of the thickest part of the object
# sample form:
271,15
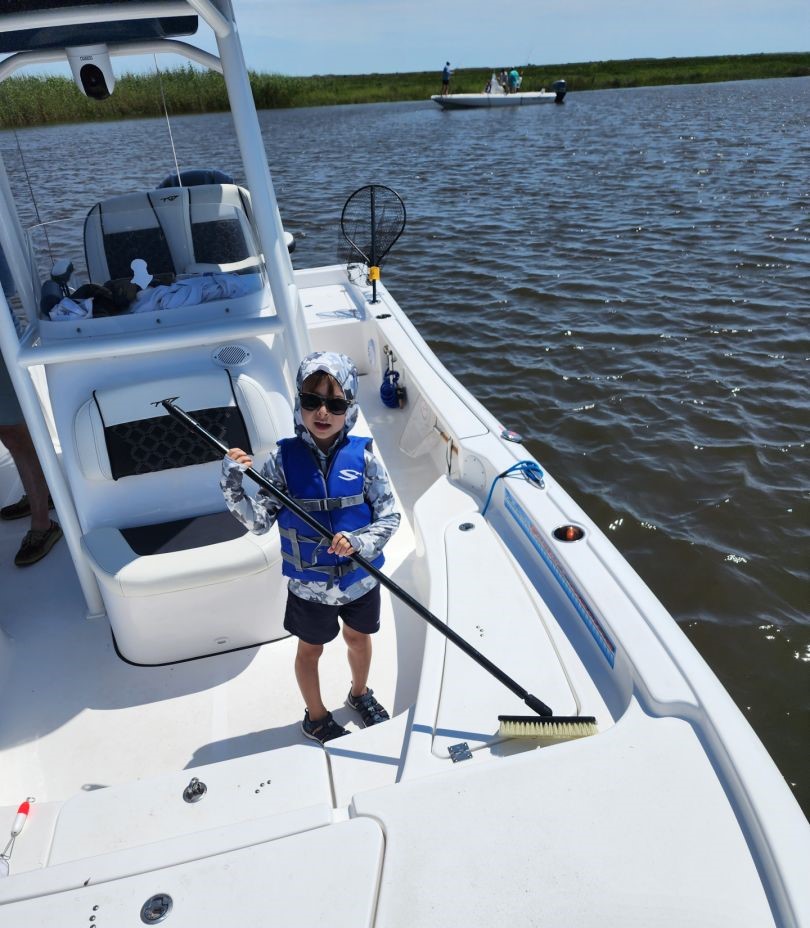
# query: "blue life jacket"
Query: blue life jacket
336,501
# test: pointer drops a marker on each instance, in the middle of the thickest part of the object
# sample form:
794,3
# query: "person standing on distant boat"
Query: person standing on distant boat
344,486
14,434
514,77
447,73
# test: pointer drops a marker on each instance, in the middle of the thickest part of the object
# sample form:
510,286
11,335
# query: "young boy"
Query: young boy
338,479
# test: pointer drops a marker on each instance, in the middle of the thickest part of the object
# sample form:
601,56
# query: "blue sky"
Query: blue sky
303,37
358,36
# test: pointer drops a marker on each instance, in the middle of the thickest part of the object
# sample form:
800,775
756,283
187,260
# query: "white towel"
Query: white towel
67,309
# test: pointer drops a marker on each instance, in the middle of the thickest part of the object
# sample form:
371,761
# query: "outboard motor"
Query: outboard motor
195,177
560,88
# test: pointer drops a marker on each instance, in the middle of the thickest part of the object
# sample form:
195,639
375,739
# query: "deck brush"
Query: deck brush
559,727
543,725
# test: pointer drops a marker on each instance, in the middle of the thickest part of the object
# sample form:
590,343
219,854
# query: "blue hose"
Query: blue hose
530,470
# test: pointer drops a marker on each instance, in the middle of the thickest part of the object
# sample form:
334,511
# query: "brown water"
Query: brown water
624,280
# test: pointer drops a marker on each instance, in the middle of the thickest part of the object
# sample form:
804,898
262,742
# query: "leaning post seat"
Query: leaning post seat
176,230
192,582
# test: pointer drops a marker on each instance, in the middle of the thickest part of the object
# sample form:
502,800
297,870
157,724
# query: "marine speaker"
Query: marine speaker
231,356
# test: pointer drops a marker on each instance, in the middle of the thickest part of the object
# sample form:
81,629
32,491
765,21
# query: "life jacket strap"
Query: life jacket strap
333,571
332,502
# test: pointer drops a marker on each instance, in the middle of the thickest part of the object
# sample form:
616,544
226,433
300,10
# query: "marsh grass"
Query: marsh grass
28,101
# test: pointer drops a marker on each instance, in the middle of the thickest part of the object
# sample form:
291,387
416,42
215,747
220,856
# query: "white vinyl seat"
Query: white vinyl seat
221,233
151,226
193,581
178,230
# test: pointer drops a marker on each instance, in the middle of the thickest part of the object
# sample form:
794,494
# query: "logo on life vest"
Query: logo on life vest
348,474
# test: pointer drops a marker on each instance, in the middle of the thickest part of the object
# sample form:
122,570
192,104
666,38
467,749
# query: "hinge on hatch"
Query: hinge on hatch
460,751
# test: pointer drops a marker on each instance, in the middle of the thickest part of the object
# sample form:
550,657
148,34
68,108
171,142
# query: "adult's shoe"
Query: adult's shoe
36,545
20,509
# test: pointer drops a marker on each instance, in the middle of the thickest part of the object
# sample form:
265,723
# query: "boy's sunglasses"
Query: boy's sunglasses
334,404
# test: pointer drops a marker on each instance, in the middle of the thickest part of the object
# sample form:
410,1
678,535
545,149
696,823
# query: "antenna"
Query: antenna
168,123
33,198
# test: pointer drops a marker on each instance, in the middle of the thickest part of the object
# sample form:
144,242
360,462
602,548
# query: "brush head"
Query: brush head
560,727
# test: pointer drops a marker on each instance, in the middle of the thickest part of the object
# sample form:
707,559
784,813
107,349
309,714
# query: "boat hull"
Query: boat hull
457,101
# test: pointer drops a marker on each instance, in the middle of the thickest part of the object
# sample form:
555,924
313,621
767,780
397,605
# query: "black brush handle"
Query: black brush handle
531,701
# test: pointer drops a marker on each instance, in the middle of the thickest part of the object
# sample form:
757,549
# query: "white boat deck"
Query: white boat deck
71,691
106,747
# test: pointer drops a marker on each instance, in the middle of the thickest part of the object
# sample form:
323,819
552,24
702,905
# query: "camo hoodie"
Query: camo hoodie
259,513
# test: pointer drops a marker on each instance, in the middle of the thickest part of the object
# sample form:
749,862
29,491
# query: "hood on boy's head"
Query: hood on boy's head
342,368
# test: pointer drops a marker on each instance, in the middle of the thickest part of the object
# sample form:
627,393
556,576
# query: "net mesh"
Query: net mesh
372,220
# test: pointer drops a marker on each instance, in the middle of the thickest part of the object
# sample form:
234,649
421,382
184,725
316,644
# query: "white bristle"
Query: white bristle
547,729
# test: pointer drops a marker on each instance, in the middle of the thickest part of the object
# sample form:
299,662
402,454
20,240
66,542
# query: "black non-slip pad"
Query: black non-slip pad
183,534
148,445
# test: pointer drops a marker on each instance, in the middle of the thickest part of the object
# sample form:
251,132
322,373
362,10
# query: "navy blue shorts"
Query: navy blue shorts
317,623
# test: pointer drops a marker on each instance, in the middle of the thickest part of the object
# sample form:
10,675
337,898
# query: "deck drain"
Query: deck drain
154,910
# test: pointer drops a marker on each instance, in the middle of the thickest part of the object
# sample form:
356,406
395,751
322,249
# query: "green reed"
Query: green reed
27,101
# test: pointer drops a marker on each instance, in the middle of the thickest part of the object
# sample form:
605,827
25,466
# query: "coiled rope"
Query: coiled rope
529,470
389,392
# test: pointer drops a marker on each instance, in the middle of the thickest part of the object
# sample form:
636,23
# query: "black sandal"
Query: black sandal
371,712
322,730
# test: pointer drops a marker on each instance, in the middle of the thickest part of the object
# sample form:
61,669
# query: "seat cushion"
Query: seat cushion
152,226
119,565
183,534
120,433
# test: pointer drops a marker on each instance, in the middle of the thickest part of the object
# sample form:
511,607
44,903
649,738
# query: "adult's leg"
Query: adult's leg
17,439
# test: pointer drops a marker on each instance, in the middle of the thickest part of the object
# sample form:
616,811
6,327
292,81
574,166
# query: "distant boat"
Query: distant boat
495,95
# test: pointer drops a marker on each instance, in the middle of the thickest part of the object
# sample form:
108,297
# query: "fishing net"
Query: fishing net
372,220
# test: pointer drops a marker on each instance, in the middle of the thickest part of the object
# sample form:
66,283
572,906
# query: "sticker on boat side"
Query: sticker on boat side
585,612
